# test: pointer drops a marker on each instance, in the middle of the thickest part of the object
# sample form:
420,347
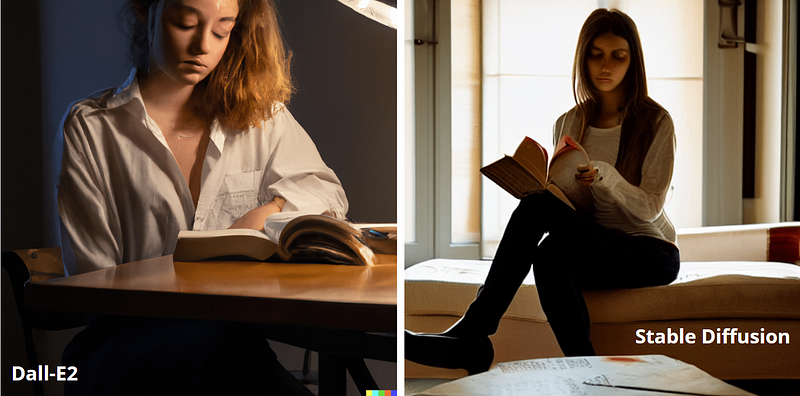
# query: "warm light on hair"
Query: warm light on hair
253,74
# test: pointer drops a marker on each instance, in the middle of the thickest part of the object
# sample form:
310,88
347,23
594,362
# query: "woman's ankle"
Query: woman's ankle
474,354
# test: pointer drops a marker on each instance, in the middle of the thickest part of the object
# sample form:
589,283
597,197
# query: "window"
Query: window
442,182
525,50
528,53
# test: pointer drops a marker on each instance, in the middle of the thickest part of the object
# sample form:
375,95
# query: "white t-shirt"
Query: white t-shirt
122,196
636,210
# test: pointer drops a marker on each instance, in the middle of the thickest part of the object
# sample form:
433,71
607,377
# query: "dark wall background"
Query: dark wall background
345,66
21,135
56,51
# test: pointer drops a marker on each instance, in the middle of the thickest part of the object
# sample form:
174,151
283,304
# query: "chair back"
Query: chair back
42,264
36,265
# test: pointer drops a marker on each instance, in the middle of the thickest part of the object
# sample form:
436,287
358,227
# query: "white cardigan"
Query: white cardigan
635,210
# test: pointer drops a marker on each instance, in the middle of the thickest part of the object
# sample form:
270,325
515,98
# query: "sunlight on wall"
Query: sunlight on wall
466,121
528,48
763,208
409,192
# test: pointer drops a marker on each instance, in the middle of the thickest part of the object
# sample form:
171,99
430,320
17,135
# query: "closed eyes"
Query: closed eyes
619,55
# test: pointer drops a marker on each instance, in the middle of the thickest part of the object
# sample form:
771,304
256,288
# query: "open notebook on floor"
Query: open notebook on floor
595,375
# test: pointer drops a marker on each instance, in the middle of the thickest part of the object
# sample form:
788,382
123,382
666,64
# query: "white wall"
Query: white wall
722,126
529,48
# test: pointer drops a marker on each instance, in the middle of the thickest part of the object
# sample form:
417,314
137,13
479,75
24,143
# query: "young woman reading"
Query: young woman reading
626,241
198,137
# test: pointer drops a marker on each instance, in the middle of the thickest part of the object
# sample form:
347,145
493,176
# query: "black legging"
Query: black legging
578,254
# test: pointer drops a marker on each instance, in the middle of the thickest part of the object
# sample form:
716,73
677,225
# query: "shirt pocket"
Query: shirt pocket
238,195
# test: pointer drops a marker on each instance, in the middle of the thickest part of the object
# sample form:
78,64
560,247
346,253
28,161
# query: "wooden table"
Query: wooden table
328,308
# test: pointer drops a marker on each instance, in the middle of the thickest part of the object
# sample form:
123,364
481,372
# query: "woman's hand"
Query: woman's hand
586,173
255,218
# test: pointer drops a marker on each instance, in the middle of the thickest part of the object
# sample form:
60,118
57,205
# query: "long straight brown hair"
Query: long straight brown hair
639,112
253,74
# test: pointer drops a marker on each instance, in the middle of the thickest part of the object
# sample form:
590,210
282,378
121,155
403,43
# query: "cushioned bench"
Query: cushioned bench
745,278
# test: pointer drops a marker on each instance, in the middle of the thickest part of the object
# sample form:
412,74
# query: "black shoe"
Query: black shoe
475,354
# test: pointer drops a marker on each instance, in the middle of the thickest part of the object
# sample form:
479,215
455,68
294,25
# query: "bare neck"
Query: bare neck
171,104
611,109
173,107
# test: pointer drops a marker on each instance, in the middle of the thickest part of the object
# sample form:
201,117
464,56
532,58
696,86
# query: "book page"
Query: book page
202,245
189,234
326,238
569,155
596,375
533,157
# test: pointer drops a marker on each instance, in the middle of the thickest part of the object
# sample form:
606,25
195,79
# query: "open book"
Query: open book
529,170
309,238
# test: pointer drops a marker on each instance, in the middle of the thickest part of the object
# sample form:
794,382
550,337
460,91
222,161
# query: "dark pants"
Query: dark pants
577,254
140,356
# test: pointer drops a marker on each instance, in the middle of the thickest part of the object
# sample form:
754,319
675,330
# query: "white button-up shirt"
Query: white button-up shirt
122,196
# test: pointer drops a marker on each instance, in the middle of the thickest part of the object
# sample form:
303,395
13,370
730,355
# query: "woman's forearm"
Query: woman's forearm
255,218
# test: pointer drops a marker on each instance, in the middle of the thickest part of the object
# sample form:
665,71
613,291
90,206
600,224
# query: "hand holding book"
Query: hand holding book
567,176
586,174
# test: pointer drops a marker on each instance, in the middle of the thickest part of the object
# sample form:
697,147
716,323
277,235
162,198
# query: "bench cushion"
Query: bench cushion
703,290
446,287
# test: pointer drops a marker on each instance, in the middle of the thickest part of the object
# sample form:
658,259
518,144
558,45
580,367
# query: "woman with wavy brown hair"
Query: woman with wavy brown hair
197,138
252,74
623,240
203,112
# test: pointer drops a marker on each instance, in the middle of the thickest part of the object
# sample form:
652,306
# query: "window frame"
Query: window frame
432,134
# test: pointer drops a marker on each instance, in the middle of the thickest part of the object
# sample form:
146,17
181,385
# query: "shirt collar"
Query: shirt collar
126,92
129,92
217,135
